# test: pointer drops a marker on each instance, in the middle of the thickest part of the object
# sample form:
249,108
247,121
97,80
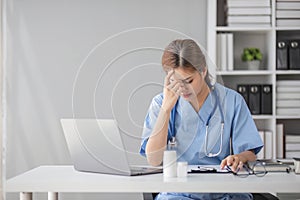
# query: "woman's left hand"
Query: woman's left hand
234,161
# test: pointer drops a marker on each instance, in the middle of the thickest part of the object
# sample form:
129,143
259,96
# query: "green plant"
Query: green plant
250,54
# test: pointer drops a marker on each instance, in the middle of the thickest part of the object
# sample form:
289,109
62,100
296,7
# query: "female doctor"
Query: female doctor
204,121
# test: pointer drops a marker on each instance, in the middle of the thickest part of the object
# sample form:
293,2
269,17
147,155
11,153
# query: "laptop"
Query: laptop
95,145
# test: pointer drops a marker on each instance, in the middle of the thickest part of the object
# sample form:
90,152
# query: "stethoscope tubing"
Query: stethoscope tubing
172,140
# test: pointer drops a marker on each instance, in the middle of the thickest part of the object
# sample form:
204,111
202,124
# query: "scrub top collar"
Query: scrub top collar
189,133
205,111
207,108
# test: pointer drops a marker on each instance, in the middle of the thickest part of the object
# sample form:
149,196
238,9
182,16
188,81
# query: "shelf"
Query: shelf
288,117
245,72
265,38
244,29
287,28
287,72
262,116
255,29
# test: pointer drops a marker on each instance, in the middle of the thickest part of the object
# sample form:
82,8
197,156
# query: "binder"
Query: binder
230,51
254,99
282,55
223,52
266,99
294,54
279,140
244,91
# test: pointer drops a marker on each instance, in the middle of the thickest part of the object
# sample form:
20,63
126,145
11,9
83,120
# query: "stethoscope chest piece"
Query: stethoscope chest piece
172,143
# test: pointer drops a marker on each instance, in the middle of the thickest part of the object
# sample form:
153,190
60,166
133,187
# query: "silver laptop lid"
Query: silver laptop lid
95,145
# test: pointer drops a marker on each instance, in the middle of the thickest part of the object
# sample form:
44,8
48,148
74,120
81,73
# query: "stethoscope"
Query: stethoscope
172,141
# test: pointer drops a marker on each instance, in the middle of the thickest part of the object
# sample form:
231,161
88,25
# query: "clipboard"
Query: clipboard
206,169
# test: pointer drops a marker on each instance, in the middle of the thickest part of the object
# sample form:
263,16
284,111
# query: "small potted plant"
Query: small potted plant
252,56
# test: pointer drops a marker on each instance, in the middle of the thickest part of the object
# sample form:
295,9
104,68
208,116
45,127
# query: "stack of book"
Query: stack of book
270,165
288,13
225,51
248,13
267,151
292,145
288,97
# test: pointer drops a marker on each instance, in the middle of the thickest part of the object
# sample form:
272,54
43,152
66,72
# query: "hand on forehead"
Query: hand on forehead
182,74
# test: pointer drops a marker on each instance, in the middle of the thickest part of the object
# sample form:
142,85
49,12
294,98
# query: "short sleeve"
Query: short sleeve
244,132
150,121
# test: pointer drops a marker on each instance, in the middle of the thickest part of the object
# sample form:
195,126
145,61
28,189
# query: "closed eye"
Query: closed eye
189,81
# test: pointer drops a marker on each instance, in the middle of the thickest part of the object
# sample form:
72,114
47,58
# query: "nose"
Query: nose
183,86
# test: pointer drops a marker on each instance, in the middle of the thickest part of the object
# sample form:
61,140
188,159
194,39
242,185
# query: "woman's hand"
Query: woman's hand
233,161
172,91
236,161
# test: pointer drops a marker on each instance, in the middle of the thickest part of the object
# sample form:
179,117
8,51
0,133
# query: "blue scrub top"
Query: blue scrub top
190,127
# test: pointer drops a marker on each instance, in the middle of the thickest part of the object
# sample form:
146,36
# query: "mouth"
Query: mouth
186,95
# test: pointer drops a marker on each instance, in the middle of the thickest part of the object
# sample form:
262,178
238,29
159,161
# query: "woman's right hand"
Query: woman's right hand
172,91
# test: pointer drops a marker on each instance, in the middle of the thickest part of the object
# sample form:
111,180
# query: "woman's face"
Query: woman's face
192,82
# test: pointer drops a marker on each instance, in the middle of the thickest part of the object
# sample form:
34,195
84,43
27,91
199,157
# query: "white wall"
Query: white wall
107,46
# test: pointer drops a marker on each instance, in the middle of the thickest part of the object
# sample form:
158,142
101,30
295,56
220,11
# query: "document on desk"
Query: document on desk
206,169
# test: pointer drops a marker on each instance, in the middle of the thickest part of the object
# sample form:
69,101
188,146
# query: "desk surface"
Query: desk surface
66,179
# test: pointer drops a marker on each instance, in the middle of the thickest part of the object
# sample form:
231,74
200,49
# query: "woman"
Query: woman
200,117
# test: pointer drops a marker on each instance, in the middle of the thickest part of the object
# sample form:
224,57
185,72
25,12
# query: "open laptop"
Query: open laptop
96,145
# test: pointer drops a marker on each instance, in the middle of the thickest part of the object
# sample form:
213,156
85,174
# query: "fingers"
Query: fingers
240,166
233,161
171,91
167,78
234,166
172,84
230,160
179,91
223,163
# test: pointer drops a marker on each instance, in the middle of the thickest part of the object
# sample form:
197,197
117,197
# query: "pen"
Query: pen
203,171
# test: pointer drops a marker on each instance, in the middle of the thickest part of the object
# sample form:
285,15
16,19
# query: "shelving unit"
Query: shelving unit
264,38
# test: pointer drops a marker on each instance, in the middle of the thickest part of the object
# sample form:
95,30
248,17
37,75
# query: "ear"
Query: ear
204,72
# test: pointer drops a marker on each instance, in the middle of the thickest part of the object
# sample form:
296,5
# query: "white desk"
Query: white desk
55,179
